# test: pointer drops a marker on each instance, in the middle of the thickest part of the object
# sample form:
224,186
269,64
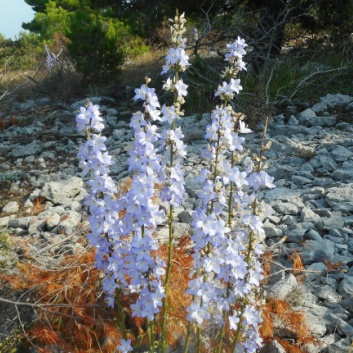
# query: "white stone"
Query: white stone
11,207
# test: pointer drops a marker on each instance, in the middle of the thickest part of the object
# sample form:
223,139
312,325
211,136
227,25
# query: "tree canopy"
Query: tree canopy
265,21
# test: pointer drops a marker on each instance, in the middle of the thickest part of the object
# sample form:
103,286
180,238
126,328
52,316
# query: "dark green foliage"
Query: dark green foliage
94,44
17,55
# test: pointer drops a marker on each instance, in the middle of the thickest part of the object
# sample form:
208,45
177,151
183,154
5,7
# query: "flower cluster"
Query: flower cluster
51,59
227,231
142,215
171,138
95,162
177,59
234,56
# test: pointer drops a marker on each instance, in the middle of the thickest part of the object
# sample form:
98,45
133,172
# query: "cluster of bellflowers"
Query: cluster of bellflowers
122,228
125,243
172,147
104,212
171,143
142,213
51,59
227,229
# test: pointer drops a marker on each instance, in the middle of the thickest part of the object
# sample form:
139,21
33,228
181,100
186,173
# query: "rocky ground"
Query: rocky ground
311,159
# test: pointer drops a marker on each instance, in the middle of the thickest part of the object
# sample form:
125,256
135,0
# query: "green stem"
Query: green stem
215,170
225,316
237,335
262,145
187,340
221,335
198,345
150,330
121,314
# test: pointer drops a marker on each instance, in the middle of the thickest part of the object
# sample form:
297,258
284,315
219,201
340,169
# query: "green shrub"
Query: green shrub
94,44
6,253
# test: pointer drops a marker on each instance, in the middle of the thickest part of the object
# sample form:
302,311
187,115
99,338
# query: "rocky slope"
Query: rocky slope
311,159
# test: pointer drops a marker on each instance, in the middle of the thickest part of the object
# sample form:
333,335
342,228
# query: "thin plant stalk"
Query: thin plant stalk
187,340
121,314
170,242
150,331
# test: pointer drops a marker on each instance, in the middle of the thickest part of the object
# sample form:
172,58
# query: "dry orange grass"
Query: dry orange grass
73,314
278,314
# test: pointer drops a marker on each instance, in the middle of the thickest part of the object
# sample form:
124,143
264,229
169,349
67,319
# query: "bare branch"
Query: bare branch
306,82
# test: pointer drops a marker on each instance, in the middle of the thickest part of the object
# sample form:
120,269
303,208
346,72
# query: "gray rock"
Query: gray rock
348,221
274,219
305,174
325,182
323,163
342,346
334,100
271,230
57,191
185,217
283,172
328,281
347,304
342,174
296,235
52,221
306,114
33,148
36,226
11,207
345,288
339,195
317,268
272,347
343,327
4,221
313,235
347,165
341,154
68,222
293,121
319,107
283,288
323,212
333,222
308,215
328,293
285,208
29,104
299,180
326,121
315,323
289,220
22,222
180,230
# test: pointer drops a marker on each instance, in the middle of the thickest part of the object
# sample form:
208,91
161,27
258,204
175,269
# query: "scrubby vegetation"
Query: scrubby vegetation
300,50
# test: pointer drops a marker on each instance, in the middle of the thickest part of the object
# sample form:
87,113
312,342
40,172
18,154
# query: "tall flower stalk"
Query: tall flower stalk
172,146
125,244
104,210
226,233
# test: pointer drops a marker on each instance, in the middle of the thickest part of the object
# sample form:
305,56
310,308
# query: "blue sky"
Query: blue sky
12,14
